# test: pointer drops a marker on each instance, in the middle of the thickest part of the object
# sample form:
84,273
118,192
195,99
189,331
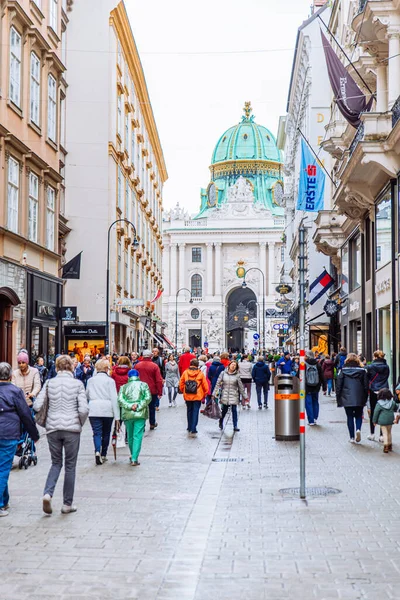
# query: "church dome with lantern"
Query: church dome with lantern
246,165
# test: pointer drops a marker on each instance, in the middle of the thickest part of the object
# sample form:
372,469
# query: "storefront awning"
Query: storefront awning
158,339
166,340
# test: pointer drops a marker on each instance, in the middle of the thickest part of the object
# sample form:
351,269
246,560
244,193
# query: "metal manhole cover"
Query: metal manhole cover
313,491
227,459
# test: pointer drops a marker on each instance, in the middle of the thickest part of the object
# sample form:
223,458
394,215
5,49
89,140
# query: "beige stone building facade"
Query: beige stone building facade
32,158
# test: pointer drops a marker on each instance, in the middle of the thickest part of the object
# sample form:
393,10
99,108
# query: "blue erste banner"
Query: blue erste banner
311,182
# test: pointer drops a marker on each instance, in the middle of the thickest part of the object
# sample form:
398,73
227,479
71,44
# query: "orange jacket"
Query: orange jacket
202,385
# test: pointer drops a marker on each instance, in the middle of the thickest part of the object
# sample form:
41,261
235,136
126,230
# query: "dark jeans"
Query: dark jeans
101,433
225,408
354,412
174,391
7,452
69,442
373,400
312,406
193,408
262,388
152,409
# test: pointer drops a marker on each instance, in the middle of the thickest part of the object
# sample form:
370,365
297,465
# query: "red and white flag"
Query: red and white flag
320,286
156,297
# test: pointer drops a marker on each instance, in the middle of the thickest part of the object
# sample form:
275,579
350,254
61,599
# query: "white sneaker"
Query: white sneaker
371,437
381,439
315,422
68,509
3,512
358,435
312,424
170,405
174,404
47,504
351,440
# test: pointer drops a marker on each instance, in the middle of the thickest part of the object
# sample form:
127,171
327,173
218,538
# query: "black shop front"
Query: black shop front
85,339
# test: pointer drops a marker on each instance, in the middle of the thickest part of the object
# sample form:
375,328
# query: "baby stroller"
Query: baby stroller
26,451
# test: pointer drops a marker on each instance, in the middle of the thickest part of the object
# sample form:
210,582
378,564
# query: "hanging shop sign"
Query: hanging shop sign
85,331
69,313
125,302
283,289
331,308
282,304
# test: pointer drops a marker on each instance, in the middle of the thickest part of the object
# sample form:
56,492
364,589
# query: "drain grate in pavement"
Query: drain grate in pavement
227,459
312,491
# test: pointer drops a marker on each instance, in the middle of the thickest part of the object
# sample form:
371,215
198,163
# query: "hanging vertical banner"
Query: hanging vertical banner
311,182
349,98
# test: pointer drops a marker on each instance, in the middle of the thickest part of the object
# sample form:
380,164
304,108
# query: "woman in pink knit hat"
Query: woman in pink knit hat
26,378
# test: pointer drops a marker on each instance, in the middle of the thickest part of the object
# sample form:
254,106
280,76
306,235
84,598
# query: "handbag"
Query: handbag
41,415
120,442
212,410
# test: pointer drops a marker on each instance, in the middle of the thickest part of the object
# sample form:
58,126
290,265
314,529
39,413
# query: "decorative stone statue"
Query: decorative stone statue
240,192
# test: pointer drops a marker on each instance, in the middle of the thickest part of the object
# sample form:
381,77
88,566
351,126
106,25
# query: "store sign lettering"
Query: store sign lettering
355,306
45,310
383,286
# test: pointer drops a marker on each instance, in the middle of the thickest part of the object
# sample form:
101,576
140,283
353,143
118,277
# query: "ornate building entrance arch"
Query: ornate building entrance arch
241,315
8,299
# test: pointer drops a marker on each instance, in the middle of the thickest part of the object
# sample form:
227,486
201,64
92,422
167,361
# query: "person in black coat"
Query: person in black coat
14,412
378,375
352,393
261,376
214,371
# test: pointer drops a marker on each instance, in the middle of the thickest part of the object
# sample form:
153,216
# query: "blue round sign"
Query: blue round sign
256,336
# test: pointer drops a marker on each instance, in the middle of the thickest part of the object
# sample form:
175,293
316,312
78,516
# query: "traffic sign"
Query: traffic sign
255,343
205,344
256,336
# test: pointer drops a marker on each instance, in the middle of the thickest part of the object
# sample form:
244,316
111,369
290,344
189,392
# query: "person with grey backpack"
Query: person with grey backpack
314,380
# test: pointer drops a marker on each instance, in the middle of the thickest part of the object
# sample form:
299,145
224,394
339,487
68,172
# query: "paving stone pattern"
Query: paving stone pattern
184,527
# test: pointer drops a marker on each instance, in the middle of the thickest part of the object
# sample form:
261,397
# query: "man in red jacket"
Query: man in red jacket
184,360
150,374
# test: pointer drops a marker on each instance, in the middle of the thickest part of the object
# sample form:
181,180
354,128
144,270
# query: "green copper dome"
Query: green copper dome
246,141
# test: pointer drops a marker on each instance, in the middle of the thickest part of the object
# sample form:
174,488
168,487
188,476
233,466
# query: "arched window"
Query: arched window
196,286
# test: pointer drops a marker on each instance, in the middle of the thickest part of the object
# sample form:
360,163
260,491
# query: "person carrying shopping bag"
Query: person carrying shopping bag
101,393
134,398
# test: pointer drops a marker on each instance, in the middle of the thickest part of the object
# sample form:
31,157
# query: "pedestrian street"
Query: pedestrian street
203,518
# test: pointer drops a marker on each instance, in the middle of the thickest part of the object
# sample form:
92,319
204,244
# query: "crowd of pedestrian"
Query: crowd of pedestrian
121,393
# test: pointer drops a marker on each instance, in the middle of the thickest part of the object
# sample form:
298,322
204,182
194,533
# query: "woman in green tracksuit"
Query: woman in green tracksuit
134,399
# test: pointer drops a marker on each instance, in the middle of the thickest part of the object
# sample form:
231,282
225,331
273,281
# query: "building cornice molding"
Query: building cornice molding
120,21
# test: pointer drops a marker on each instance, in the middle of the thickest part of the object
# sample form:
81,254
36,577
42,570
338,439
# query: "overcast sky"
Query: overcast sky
202,61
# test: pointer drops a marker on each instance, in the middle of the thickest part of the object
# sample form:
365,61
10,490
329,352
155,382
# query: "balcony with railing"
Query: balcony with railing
357,138
396,112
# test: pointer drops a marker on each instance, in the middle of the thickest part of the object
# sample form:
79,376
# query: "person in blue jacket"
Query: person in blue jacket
214,372
261,376
14,412
285,364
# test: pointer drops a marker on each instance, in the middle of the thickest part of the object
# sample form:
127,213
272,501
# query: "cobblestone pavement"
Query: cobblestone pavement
185,526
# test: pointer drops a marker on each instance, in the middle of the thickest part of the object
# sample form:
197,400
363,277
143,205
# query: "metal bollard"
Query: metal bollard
287,402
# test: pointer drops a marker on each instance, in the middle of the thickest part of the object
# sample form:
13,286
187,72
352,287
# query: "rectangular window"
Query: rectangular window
127,133
53,20
35,89
33,207
132,275
383,226
119,53
52,109
133,146
119,273
127,195
38,3
196,255
282,253
119,115
13,195
15,67
355,261
345,270
126,272
119,189
50,217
